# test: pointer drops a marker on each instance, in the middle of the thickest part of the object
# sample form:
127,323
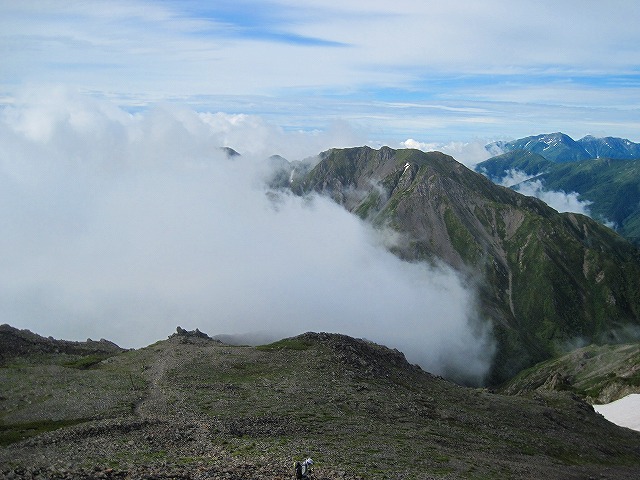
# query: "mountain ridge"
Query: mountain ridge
559,147
611,187
543,273
598,373
16,343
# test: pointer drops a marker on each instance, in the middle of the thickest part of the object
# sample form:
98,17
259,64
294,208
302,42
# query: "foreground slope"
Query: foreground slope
197,408
545,278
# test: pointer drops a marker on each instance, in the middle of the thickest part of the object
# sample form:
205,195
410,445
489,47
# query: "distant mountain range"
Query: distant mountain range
603,171
545,278
559,147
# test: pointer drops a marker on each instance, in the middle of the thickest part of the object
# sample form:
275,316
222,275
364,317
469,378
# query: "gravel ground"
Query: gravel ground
193,408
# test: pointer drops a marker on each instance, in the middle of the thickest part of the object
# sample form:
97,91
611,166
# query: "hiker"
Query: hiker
303,470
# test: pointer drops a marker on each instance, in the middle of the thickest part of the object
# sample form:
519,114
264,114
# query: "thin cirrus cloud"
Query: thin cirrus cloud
520,67
255,21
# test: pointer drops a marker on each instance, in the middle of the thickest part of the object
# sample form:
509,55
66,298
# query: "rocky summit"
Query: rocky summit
190,407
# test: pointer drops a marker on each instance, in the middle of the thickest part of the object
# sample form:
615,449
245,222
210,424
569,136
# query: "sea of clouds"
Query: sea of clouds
558,199
123,226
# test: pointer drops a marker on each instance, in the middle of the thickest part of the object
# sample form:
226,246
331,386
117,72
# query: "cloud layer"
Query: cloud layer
467,153
560,200
557,199
124,226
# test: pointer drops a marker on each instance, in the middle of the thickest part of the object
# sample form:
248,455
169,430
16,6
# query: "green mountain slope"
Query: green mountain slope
497,168
610,147
600,374
197,408
544,278
612,186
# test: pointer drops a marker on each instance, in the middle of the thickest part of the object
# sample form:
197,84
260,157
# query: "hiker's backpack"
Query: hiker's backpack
298,470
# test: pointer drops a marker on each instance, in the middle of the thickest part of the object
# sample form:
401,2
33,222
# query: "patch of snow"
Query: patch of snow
624,412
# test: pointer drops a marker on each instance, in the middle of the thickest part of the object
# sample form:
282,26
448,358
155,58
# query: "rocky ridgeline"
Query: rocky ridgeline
16,343
183,336
367,357
182,333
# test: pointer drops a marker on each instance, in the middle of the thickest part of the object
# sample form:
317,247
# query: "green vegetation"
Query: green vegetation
598,373
86,362
612,187
286,344
19,431
39,387
369,205
461,239
527,162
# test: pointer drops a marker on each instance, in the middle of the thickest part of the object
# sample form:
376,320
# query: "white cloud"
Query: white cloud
559,200
425,147
253,135
515,177
467,153
124,226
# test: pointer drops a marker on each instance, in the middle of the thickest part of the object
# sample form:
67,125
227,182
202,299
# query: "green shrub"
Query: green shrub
86,362
14,433
286,344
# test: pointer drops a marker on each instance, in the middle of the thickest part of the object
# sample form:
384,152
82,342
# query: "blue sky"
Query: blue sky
431,71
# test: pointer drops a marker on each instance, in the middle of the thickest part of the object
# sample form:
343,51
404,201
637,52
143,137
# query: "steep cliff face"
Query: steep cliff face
545,278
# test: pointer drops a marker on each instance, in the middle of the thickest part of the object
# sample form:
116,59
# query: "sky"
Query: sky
122,219
430,71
